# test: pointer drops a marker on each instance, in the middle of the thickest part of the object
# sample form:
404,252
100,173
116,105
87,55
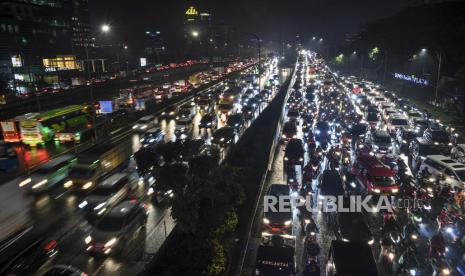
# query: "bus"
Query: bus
62,124
10,128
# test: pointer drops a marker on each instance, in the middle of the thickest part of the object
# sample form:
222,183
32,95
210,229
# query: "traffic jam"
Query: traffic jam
101,211
344,137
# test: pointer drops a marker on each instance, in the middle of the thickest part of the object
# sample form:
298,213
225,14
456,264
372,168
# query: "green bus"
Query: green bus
62,124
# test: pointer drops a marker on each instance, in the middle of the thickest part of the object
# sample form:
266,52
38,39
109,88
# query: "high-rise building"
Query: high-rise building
39,40
154,47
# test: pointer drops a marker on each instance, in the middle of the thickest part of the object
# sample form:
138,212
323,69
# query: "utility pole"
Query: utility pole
91,91
438,78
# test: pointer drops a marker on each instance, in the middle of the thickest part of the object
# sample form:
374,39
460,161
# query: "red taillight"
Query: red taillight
51,245
133,201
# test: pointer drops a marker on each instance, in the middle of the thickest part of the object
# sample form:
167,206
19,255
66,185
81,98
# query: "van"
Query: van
451,171
49,174
395,122
374,175
144,123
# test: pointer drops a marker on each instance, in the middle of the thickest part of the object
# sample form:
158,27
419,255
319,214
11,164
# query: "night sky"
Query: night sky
272,19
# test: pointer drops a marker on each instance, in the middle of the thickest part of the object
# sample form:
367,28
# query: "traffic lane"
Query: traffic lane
75,96
130,256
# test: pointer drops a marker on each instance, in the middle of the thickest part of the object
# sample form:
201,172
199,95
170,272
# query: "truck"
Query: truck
97,162
350,258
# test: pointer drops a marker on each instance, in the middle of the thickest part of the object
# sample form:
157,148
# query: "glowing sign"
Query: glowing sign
191,11
143,62
16,61
411,78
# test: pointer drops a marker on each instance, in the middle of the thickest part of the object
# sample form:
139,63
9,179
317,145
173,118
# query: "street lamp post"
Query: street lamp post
105,28
438,78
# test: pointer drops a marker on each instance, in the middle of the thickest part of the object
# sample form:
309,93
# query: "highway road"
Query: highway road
55,213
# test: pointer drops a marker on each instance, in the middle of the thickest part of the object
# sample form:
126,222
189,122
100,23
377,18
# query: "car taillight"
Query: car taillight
50,246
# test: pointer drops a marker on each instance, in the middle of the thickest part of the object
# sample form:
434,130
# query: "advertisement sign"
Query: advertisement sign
16,61
106,107
143,62
139,104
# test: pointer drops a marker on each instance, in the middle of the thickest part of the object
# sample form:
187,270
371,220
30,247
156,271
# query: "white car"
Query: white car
451,172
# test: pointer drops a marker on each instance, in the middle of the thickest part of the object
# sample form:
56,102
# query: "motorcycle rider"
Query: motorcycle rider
437,245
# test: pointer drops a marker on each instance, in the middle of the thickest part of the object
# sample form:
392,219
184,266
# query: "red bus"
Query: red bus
374,175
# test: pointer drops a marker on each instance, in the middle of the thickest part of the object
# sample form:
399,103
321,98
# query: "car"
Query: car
26,252
419,148
388,112
452,173
293,114
396,121
438,137
373,119
248,111
404,137
420,125
107,194
208,120
330,183
322,132
144,123
414,115
294,152
224,136
278,221
372,108
63,270
353,228
275,260
289,131
236,121
152,137
170,112
112,231
380,141
183,129
49,174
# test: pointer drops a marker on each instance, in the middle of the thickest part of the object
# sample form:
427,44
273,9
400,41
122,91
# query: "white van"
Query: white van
452,171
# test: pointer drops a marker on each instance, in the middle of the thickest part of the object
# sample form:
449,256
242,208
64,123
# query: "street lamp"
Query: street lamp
105,28
195,33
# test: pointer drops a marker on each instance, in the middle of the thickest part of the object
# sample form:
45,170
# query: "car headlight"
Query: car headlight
266,221
83,204
68,184
209,124
283,136
301,159
88,239
143,127
390,148
445,271
285,158
330,132
25,182
87,185
450,144
100,206
221,139
288,222
111,242
317,131
377,191
40,184
370,242
134,126
395,190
